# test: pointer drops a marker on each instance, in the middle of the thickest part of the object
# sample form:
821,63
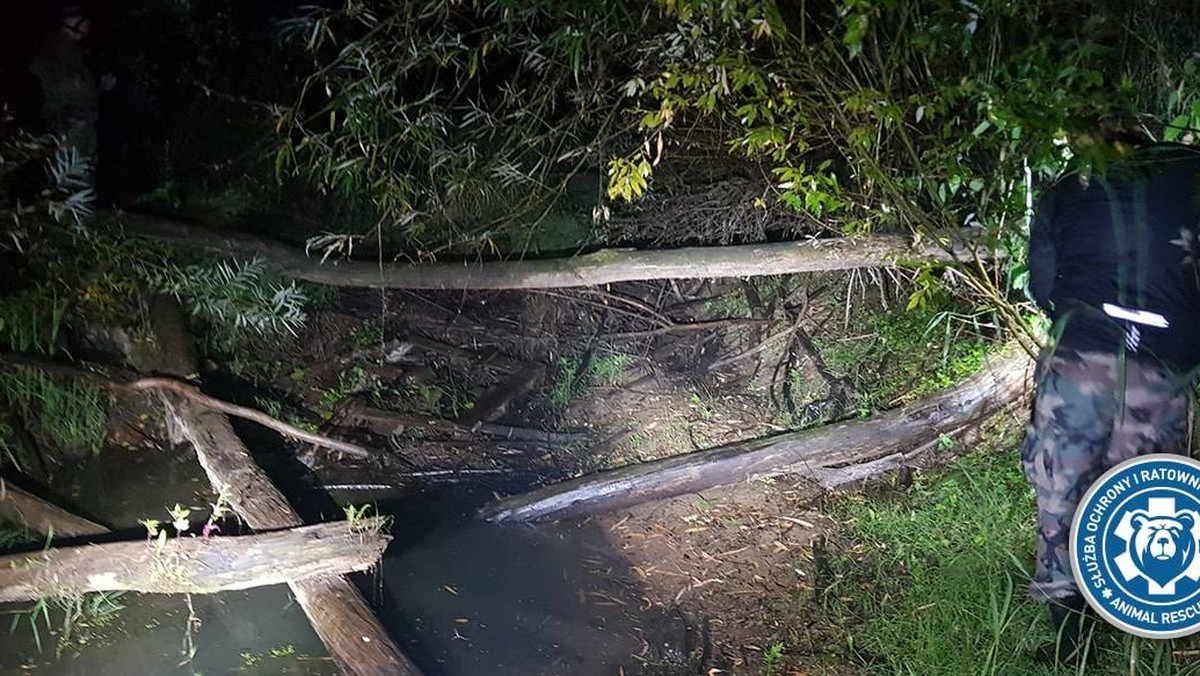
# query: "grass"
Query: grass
916,352
574,375
79,616
936,583
30,321
70,415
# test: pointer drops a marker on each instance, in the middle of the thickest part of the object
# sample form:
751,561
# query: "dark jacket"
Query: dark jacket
1114,259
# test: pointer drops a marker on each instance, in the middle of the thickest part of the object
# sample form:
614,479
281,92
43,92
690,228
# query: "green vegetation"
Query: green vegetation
285,412
358,519
907,115
234,296
348,382
485,130
69,415
449,399
773,659
13,535
702,407
903,354
79,615
728,305
608,370
492,143
368,335
30,321
575,374
250,658
278,660
935,581
565,385
942,581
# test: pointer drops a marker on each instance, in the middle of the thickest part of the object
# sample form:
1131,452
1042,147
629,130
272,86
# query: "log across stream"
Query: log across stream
458,595
455,594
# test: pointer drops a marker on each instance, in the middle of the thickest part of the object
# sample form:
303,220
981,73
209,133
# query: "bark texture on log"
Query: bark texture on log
1004,379
192,565
337,611
21,506
601,267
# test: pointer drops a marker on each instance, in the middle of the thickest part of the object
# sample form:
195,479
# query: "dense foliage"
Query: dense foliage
905,113
470,127
466,122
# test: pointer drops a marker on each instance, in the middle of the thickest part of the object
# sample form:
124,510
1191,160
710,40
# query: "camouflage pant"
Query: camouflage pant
1081,426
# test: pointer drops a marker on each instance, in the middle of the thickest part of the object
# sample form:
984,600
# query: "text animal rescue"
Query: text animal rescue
1091,562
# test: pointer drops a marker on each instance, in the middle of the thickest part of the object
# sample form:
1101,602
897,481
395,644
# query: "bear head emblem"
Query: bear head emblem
1163,546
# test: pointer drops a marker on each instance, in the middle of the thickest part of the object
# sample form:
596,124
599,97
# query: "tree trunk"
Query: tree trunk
356,641
1000,383
597,268
193,565
25,508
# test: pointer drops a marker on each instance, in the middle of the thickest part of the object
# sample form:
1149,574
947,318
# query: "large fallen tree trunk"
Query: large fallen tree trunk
1001,382
600,267
24,508
193,565
337,611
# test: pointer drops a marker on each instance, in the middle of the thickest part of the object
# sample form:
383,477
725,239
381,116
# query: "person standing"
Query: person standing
1113,262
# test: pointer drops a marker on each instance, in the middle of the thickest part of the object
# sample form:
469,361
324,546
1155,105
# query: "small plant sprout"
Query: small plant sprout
773,659
356,515
152,526
179,518
220,509
359,519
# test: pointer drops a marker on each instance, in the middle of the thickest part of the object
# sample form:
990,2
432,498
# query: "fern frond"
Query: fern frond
235,293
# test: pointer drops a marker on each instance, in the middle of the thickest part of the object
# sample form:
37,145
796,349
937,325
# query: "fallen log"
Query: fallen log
22,507
1002,381
600,267
193,565
830,478
356,640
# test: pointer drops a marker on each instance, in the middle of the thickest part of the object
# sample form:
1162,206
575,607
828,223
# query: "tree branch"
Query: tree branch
192,392
1002,380
594,269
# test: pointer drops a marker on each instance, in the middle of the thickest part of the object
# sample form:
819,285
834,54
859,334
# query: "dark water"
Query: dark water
471,598
460,596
